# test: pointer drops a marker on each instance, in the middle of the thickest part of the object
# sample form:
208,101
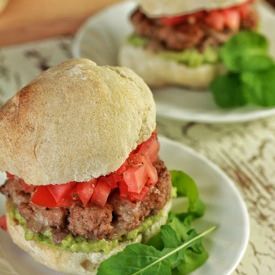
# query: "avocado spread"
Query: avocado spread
80,244
190,57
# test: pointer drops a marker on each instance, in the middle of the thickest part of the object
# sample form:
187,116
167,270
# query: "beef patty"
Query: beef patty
193,34
118,217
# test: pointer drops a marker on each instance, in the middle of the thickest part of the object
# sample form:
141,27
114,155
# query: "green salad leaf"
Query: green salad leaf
250,72
186,187
146,260
176,249
246,51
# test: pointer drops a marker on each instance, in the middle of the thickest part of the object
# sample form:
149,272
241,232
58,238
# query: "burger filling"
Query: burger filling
97,214
192,39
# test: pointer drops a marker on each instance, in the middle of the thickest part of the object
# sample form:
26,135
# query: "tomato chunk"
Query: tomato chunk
85,190
101,193
3,222
150,148
173,20
59,191
232,19
215,20
135,178
151,171
43,197
140,196
10,176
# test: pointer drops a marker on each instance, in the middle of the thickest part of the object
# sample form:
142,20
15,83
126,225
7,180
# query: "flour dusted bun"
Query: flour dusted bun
73,262
157,71
74,122
157,8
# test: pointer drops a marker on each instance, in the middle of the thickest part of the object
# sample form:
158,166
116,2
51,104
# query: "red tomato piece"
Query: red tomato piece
123,190
215,20
59,191
140,196
151,171
85,190
3,223
101,193
232,19
27,187
172,21
244,10
135,178
43,197
150,148
10,176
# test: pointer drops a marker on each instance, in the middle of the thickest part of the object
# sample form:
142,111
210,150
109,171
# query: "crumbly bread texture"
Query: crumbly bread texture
157,71
74,122
69,262
157,8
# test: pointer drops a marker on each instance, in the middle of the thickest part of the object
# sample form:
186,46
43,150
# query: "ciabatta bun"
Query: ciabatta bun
158,8
157,71
74,122
73,262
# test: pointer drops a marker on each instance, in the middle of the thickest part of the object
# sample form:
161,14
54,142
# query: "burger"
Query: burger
177,42
84,177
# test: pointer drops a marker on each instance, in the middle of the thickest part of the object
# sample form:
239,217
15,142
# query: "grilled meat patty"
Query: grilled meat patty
118,217
187,35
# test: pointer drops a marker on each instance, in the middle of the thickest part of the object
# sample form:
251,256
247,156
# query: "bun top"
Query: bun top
158,8
74,122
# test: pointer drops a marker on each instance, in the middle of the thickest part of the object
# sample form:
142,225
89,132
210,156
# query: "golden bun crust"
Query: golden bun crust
157,8
73,262
157,71
75,122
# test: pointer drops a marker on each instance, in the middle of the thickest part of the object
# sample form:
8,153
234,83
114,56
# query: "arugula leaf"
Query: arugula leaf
143,259
186,187
246,51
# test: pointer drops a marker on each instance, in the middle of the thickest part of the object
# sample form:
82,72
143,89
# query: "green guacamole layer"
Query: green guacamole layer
80,244
191,57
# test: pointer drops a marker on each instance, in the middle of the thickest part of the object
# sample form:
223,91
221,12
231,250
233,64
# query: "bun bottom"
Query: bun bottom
73,262
157,71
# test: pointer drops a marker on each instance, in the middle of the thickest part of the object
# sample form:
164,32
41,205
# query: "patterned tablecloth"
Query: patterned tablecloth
246,152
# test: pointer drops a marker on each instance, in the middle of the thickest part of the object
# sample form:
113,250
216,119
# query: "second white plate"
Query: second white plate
101,37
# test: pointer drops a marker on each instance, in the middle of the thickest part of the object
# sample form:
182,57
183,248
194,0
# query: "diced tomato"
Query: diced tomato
10,176
123,190
85,190
135,178
244,10
121,169
151,172
215,20
150,148
43,197
60,191
232,19
27,187
112,180
101,193
3,223
140,196
172,21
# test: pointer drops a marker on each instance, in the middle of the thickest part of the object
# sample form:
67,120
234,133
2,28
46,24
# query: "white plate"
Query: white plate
225,208
101,37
